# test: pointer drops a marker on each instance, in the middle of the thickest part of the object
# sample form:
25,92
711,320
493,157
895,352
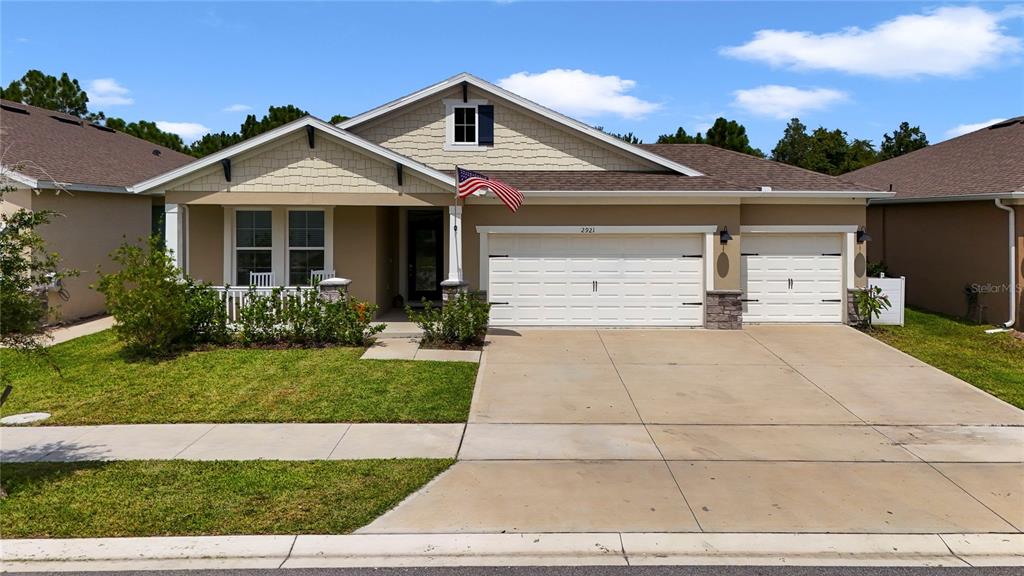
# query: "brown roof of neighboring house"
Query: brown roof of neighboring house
750,172
47,145
986,161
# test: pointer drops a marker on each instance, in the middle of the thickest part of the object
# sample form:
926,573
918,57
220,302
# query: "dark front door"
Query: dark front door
426,254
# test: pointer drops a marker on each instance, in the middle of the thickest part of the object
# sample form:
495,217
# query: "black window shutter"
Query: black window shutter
485,131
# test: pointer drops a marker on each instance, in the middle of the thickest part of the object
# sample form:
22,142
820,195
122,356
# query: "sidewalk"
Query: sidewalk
615,548
229,442
65,333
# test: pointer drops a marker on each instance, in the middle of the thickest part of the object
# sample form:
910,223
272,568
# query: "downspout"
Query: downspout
1013,269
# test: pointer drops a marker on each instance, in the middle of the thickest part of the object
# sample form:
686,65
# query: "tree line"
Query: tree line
65,94
822,150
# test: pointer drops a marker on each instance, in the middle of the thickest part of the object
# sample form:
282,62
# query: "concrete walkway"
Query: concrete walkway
409,349
796,429
229,442
65,333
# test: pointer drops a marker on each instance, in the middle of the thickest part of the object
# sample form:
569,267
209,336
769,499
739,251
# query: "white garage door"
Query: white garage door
792,278
593,279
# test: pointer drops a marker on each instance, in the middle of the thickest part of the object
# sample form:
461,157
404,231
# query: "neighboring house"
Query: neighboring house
82,171
610,234
955,227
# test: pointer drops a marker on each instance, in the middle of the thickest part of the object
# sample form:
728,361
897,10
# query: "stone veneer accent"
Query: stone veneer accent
723,310
852,317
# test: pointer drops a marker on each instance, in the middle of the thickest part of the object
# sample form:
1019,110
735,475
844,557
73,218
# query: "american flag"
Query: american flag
470,182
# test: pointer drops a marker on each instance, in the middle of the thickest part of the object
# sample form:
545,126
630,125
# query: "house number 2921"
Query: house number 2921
587,230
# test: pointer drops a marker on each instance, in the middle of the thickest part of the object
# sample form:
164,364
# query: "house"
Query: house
610,233
83,171
955,227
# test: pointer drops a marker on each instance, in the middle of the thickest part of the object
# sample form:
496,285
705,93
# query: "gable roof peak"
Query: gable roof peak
557,117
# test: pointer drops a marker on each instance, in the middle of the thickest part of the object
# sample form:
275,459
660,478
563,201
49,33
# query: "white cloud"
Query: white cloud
107,92
578,93
238,108
968,128
785,101
187,130
949,41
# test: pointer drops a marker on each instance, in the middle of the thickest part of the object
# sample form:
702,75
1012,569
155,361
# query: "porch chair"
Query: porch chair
318,276
261,279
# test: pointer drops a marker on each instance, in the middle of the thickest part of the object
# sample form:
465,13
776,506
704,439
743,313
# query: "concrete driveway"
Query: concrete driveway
769,429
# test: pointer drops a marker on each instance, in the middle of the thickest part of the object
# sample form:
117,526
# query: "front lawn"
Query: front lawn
992,362
100,386
179,498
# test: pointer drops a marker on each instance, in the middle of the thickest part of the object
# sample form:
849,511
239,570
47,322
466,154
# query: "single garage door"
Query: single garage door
792,278
593,279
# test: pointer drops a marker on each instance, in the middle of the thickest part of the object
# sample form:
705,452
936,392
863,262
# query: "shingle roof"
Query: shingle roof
607,180
750,172
987,161
48,145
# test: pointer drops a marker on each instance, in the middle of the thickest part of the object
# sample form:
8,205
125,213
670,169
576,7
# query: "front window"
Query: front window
253,243
306,245
465,125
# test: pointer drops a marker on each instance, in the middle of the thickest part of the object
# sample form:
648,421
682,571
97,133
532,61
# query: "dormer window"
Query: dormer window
469,125
465,125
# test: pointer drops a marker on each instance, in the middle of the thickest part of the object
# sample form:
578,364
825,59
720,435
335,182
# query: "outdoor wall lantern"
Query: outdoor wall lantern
724,236
863,236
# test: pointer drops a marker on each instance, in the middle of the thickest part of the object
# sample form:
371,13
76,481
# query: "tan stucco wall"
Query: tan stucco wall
813,215
941,247
727,266
355,249
92,226
522,140
387,256
291,166
205,243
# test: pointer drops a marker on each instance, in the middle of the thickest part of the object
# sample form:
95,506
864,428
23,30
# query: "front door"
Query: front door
426,254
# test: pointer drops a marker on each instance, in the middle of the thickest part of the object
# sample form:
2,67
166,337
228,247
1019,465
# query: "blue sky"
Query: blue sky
641,67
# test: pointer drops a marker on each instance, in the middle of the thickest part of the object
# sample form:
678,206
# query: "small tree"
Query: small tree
870,302
26,268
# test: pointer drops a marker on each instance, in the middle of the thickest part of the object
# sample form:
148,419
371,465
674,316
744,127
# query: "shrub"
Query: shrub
870,302
148,299
206,315
461,321
876,269
304,319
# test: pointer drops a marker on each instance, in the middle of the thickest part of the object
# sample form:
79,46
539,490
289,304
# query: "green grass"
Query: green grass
165,498
992,362
101,386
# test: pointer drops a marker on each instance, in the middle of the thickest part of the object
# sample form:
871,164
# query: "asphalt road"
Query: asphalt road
585,571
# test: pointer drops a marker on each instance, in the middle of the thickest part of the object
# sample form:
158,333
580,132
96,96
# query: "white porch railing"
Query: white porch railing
236,297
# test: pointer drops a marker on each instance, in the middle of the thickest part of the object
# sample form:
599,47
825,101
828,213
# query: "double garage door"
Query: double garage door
657,280
597,280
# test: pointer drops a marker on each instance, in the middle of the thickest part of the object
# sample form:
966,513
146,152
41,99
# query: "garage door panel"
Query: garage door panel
792,278
641,280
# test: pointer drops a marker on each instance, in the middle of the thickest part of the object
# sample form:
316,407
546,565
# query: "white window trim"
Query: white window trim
279,240
328,239
449,125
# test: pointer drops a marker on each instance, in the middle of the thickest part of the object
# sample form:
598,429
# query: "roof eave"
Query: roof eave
283,130
955,198
525,103
852,194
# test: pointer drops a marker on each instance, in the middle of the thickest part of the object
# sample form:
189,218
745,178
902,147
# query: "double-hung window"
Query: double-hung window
306,245
464,123
253,243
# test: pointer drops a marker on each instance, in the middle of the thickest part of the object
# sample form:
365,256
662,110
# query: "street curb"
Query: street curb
399,550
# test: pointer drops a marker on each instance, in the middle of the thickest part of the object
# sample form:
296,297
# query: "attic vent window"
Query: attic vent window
67,120
14,109
470,125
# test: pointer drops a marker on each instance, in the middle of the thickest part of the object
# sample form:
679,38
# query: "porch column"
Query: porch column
174,234
454,244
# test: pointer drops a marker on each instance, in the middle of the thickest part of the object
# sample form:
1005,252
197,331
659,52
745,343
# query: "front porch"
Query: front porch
393,255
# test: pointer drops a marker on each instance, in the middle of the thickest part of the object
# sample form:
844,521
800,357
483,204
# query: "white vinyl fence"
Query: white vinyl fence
894,288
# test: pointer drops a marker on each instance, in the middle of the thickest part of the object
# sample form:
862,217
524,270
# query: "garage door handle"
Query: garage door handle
832,254
693,303
692,256
499,303
499,255
832,300
749,254
749,300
